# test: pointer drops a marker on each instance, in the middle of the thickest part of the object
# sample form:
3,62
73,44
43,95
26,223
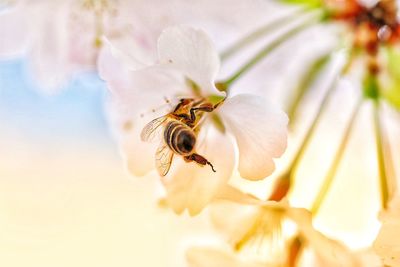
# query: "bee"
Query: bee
178,133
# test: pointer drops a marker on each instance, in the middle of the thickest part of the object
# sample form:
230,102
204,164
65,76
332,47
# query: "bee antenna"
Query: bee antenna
212,167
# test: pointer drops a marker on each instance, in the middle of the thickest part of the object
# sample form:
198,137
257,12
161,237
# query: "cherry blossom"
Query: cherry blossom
187,68
256,231
59,38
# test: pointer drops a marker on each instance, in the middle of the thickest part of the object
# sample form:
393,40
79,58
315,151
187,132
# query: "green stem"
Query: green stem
308,79
287,176
258,33
383,179
321,108
391,174
266,50
335,163
292,166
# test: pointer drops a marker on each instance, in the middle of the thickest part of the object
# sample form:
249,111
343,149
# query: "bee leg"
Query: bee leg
184,116
199,159
183,102
206,107
219,103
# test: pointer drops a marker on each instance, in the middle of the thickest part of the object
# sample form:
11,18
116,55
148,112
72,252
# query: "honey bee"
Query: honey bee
178,133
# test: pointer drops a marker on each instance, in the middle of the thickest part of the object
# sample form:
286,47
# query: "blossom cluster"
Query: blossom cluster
189,100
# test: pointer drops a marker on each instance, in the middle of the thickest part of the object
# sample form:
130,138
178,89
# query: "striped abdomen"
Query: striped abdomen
179,137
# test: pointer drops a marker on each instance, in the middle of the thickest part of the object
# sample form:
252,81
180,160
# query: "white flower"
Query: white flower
62,38
259,231
187,69
58,37
387,244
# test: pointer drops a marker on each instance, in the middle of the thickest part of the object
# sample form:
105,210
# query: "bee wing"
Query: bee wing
164,157
153,129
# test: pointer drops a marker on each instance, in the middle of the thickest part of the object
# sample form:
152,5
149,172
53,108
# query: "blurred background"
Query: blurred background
65,198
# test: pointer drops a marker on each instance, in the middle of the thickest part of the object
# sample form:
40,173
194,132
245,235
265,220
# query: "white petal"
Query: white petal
260,130
49,54
190,186
13,32
134,101
191,52
126,51
137,97
392,214
112,69
152,91
233,194
233,220
82,53
330,252
387,243
209,257
139,155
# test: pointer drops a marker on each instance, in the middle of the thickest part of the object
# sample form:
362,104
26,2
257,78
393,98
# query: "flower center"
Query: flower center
99,8
372,25
263,241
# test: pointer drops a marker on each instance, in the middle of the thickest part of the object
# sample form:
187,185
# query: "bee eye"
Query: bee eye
186,142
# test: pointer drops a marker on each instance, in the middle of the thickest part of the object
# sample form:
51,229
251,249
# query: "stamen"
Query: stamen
292,166
305,83
383,179
156,109
282,187
384,33
285,179
98,7
263,240
260,32
167,100
268,49
336,161
295,249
